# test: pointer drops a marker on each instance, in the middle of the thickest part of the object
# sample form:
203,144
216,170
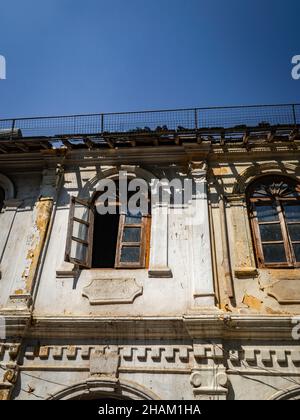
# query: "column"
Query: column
159,247
200,244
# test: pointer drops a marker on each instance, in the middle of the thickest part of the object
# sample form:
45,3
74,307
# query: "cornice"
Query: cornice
219,325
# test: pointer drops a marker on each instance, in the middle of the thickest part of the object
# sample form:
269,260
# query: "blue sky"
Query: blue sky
75,56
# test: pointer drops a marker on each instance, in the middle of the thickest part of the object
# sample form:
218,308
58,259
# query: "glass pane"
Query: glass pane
297,251
80,231
132,235
130,254
270,233
79,251
81,212
267,213
292,212
133,220
294,231
274,253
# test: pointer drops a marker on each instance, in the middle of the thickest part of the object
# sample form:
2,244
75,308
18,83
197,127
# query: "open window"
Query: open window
274,208
80,233
107,241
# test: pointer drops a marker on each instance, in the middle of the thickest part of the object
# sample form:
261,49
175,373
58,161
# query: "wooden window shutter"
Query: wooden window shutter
133,242
79,248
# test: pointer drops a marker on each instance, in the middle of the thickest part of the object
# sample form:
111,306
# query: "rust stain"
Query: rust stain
271,311
252,302
43,213
221,171
19,292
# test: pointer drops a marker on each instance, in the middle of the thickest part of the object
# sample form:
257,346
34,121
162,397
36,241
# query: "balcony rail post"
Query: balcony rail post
13,129
102,123
196,118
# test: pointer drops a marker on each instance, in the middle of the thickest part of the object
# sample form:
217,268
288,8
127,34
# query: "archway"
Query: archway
105,389
290,394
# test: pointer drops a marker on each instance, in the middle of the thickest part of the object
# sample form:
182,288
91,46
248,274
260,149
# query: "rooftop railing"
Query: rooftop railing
178,120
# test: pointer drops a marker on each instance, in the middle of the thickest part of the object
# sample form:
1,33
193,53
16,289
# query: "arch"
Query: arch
7,186
273,202
288,394
105,388
255,171
113,173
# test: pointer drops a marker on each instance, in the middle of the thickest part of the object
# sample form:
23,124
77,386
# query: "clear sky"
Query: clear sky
75,56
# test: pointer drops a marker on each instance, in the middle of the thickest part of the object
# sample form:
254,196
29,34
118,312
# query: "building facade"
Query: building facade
201,302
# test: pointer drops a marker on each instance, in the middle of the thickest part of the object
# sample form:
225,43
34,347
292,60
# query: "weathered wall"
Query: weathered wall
16,224
171,342
187,260
255,290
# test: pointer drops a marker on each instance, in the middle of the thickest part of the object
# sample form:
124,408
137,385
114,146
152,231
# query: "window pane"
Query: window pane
79,251
294,231
292,212
132,235
81,212
270,233
274,253
297,251
130,254
267,213
133,220
80,231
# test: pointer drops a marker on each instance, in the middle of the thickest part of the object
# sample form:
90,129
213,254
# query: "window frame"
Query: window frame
87,262
278,203
143,244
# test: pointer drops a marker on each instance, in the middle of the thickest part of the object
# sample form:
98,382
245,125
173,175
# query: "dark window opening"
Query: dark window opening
105,241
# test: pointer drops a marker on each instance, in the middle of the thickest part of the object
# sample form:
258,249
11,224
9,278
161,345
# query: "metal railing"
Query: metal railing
178,120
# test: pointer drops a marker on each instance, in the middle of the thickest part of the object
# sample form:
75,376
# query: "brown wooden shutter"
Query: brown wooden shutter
133,242
79,248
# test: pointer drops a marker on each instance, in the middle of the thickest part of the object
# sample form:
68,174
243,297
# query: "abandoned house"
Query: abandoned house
199,301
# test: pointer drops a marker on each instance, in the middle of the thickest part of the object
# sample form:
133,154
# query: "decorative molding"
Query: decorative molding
67,270
129,355
268,168
21,301
285,291
108,388
112,291
198,171
292,393
133,171
105,363
190,326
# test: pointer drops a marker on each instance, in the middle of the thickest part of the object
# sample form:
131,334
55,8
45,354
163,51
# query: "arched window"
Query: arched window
97,241
274,208
2,198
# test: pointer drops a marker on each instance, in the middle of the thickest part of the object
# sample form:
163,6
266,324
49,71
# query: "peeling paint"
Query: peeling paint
42,214
19,292
252,302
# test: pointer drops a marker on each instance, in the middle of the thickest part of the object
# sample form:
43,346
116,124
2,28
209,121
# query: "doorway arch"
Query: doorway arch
290,394
105,389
